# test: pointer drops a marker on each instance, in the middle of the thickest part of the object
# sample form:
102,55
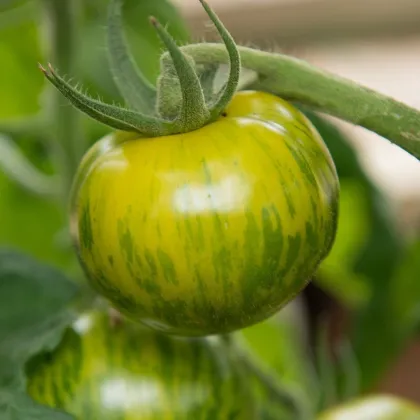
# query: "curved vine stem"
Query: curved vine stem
14,164
272,386
296,80
33,126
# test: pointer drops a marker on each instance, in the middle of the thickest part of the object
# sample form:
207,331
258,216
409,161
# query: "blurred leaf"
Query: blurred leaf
377,332
6,5
34,311
348,371
146,45
34,301
20,80
31,224
15,405
279,343
391,318
336,273
326,369
405,288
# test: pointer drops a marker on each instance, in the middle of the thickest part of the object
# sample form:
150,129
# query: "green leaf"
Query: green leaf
35,309
16,405
336,273
369,268
391,318
280,345
20,81
32,224
405,288
34,301
6,5
27,222
133,86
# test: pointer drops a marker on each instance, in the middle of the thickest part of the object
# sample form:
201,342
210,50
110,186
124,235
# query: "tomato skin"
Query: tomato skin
375,407
210,231
129,372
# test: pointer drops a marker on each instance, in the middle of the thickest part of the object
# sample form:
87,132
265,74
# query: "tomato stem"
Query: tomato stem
296,80
20,169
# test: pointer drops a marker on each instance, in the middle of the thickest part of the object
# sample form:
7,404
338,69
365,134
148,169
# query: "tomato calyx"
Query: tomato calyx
183,100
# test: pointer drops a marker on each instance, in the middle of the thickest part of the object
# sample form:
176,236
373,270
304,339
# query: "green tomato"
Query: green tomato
129,372
375,407
209,231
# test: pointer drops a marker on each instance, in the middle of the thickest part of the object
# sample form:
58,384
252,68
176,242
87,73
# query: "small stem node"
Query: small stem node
193,113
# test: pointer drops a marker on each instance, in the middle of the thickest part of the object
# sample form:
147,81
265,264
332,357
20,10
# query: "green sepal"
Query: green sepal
37,304
114,116
229,89
137,91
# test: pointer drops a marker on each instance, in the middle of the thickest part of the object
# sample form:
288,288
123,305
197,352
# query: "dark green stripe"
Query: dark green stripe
86,234
167,267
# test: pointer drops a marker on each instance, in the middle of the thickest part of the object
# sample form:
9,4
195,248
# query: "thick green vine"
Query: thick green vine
297,80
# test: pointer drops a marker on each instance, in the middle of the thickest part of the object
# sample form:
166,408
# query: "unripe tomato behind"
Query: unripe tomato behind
213,230
129,372
374,407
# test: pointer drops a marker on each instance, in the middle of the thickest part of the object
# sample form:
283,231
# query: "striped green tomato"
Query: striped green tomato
129,372
209,231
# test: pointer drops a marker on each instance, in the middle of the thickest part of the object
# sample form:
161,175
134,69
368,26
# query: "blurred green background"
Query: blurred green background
360,317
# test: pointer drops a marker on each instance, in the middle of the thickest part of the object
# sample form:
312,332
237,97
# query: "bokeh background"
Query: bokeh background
368,290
